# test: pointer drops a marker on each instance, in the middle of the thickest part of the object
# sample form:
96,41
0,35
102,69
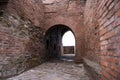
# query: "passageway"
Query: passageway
59,66
53,41
31,34
54,70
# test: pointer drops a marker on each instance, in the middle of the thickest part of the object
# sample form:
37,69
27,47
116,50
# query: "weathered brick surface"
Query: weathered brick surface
91,32
96,27
20,46
106,14
21,37
30,9
69,13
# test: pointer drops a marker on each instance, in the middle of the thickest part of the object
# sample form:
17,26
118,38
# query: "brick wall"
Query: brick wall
21,41
21,46
92,40
68,49
102,22
110,39
30,9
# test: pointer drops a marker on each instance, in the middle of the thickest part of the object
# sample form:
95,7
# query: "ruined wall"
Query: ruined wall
68,49
30,9
21,36
69,13
22,27
102,23
109,23
92,40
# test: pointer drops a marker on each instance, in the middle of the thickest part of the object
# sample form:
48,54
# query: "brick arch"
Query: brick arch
77,29
67,27
68,21
53,40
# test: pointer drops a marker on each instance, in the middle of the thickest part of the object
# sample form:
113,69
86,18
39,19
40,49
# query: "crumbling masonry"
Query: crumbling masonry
31,32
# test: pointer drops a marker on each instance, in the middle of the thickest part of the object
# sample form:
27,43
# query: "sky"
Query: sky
68,39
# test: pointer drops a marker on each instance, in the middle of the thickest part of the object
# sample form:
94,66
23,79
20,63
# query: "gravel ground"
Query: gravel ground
54,70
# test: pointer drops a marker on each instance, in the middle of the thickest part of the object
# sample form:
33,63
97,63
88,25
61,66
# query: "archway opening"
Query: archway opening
68,43
53,41
68,39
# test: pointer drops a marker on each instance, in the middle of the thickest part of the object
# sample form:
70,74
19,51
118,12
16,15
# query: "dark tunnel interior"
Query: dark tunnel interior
53,41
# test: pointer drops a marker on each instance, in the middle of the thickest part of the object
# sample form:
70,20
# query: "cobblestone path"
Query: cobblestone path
55,70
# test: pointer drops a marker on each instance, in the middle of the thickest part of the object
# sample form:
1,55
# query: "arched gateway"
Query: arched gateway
53,40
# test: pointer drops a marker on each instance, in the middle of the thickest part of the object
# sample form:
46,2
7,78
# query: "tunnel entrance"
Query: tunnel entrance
3,5
54,45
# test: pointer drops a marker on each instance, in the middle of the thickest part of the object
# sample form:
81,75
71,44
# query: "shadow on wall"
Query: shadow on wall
3,4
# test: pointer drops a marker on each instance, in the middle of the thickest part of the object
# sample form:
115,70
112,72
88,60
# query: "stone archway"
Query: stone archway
53,40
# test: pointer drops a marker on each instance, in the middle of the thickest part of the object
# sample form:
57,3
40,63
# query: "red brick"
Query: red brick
103,31
103,78
113,60
114,74
118,13
109,2
111,5
106,75
108,35
116,54
105,64
116,68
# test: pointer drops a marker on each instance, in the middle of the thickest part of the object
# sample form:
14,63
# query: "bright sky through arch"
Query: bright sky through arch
68,39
